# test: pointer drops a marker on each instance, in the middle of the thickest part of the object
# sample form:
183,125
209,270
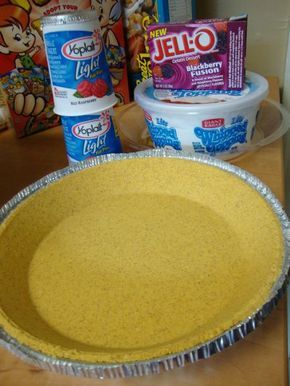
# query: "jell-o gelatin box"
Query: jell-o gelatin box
204,54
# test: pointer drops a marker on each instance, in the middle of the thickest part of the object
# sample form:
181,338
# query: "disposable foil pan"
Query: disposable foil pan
203,351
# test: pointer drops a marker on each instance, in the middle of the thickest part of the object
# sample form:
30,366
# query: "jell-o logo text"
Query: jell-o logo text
203,40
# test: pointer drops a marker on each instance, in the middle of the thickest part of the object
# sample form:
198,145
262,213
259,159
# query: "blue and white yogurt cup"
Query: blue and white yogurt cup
214,122
91,135
80,78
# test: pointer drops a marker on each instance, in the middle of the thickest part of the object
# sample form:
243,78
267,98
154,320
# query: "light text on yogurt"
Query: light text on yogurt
91,147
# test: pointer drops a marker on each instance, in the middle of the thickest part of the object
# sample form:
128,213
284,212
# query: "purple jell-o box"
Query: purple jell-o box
205,54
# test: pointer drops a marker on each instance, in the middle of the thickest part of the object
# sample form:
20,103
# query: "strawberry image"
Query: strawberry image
194,62
221,26
157,71
84,88
99,88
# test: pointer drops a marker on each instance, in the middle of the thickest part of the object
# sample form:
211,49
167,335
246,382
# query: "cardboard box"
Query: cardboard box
111,23
5,120
202,55
24,72
138,15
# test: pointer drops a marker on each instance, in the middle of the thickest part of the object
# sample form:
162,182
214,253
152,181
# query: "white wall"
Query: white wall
286,102
268,47
268,23
286,88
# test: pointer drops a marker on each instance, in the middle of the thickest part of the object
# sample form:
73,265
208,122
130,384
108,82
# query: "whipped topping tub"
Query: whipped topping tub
214,122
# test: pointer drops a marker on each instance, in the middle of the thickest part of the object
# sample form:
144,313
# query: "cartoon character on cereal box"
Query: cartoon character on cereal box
16,35
25,82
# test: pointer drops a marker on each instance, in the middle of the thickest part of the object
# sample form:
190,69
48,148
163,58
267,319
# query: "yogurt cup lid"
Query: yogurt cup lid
69,17
195,101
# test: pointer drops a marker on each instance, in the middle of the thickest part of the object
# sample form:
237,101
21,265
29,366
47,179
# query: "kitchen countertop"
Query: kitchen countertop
259,359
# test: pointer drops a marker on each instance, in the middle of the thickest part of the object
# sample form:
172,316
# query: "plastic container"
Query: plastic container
80,77
273,121
88,136
214,122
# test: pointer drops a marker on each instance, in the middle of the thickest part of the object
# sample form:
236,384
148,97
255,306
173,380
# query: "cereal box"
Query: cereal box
205,54
175,10
24,74
138,15
4,112
111,23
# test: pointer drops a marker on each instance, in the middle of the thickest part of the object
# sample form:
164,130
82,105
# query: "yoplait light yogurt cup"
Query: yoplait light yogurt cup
214,122
91,135
80,77
203,54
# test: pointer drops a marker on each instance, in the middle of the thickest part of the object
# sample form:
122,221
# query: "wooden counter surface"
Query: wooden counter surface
258,360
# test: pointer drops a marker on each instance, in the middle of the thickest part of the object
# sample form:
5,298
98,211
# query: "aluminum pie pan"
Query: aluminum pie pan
156,365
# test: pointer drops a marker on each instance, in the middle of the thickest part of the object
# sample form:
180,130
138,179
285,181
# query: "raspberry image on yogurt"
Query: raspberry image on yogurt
77,57
99,88
84,88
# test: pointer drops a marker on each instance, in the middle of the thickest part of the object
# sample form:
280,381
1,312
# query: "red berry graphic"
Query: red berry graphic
85,88
221,26
99,88
157,71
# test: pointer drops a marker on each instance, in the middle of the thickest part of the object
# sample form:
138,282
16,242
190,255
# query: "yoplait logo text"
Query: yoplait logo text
92,129
81,48
86,52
